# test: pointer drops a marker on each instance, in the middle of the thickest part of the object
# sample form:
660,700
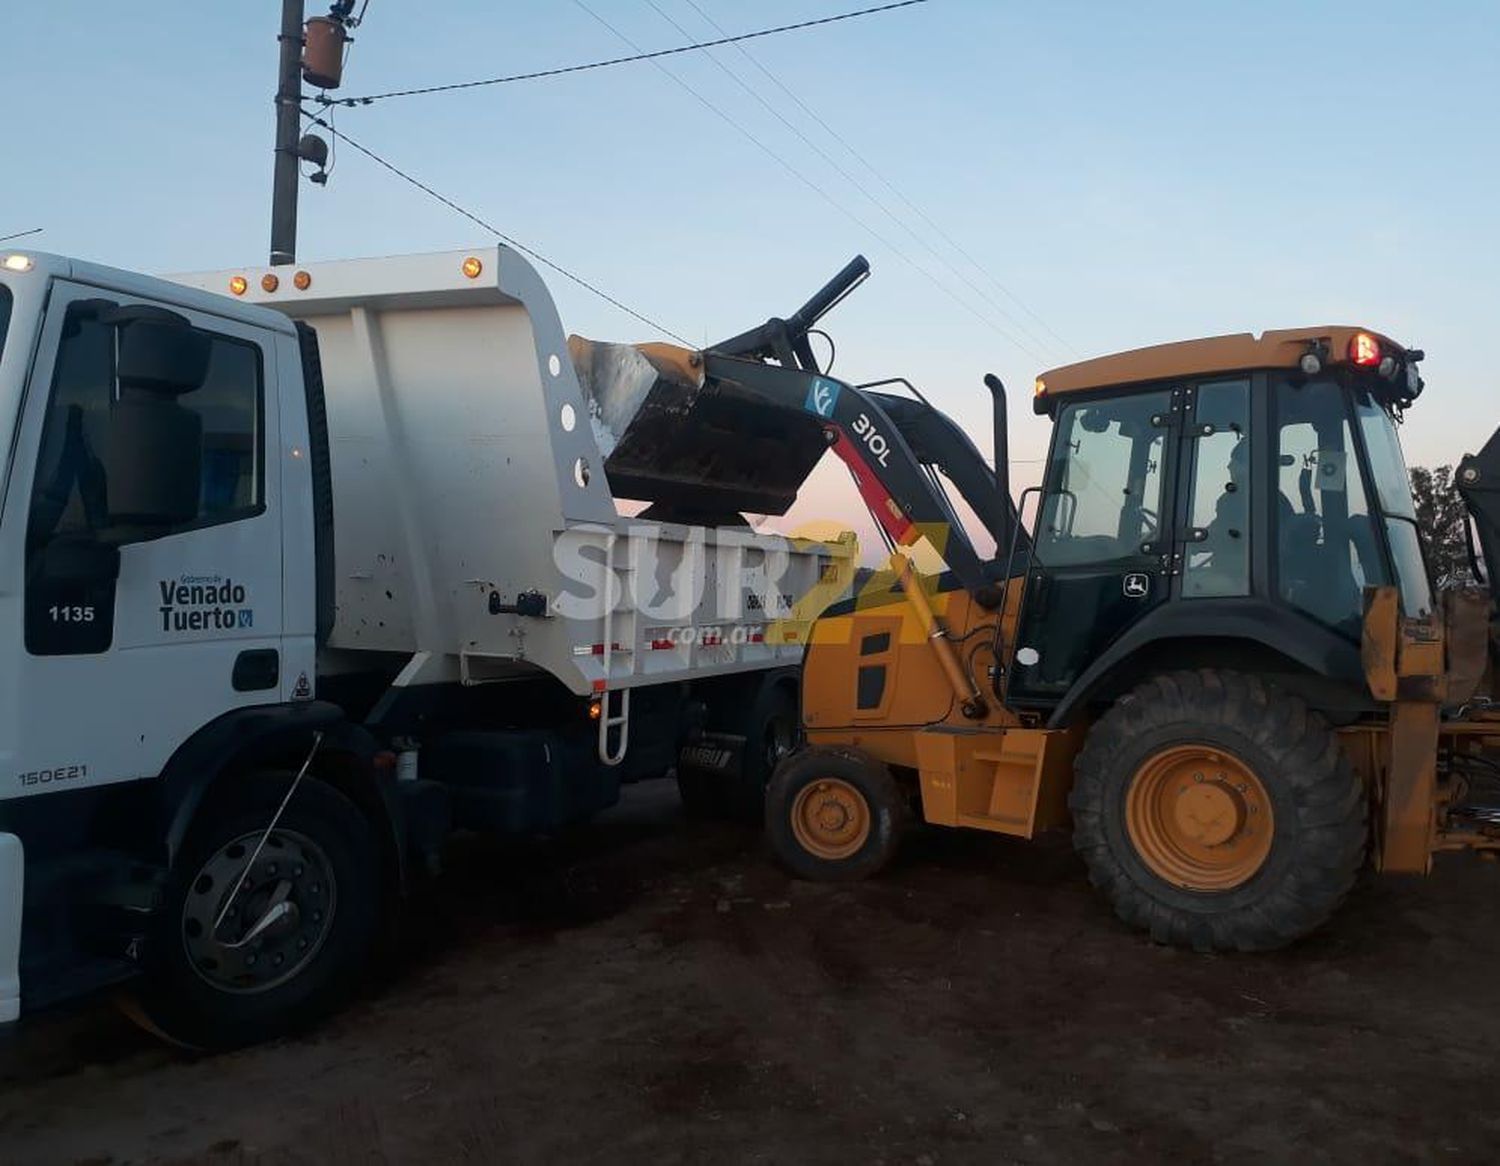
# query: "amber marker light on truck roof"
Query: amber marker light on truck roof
472,267
16,263
238,284
1041,387
269,282
302,281
1364,350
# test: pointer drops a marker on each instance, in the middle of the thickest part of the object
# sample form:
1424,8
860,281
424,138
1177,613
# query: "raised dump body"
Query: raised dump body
475,507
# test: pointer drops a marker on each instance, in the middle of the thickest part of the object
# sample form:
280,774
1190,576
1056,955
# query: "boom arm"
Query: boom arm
938,442
889,475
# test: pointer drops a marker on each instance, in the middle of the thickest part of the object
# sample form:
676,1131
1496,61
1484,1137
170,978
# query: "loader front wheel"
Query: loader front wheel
833,816
1217,812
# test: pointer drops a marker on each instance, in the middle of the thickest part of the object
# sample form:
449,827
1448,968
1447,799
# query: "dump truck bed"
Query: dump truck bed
469,479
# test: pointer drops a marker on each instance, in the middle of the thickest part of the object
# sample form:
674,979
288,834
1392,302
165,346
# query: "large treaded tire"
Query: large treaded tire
176,1002
771,732
1320,809
884,805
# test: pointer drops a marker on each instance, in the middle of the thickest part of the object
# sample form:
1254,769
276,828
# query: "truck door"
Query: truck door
1102,543
150,594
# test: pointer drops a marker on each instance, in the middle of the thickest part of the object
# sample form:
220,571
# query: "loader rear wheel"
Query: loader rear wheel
1217,812
257,940
833,817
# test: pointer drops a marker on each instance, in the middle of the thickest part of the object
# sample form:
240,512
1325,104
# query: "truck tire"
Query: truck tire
314,889
771,732
1218,813
834,816
772,736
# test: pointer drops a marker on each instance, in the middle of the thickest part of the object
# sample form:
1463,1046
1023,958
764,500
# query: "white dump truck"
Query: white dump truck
301,569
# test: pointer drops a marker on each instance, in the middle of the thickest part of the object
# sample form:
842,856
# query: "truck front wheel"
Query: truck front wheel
1217,812
260,934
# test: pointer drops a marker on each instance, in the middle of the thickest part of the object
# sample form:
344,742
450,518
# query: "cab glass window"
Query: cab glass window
1327,549
1104,484
1393,488
152,428
1218,515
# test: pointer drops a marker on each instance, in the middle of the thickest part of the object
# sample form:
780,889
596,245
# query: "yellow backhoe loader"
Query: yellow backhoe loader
1216,654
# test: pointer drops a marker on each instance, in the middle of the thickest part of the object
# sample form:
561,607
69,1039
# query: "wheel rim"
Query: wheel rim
1199,818
276,924
830,818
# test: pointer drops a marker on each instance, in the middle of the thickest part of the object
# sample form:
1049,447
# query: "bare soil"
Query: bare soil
651,990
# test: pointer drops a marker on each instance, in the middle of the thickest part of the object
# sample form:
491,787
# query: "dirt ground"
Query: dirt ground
652,990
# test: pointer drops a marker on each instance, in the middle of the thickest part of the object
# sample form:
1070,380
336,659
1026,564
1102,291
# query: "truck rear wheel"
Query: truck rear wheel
771,732
1218,813
246,950
834,817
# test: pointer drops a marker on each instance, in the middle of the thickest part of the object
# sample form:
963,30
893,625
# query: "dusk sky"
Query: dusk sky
1127,174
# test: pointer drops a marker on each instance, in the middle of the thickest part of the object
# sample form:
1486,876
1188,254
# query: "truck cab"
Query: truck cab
155,575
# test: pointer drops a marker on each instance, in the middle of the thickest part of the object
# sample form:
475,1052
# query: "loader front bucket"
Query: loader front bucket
696,448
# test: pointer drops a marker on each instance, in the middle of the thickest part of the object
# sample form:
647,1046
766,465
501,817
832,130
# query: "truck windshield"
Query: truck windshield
1393,494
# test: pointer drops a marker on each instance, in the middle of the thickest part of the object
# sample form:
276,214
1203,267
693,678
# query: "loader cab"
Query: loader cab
1231,489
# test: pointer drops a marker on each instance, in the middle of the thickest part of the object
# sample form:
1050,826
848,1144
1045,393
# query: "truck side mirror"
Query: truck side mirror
161,356
152,452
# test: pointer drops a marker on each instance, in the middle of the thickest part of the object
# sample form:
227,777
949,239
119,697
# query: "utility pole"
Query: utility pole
288,124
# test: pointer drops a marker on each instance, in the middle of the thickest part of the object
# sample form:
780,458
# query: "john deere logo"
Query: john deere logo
822,397
1137,586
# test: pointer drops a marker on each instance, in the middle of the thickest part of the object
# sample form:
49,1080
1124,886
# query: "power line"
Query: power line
508,240
818,190
20,234
638,56
848,177
885,182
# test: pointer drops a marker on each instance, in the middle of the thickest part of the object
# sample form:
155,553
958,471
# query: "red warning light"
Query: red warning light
1364,350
